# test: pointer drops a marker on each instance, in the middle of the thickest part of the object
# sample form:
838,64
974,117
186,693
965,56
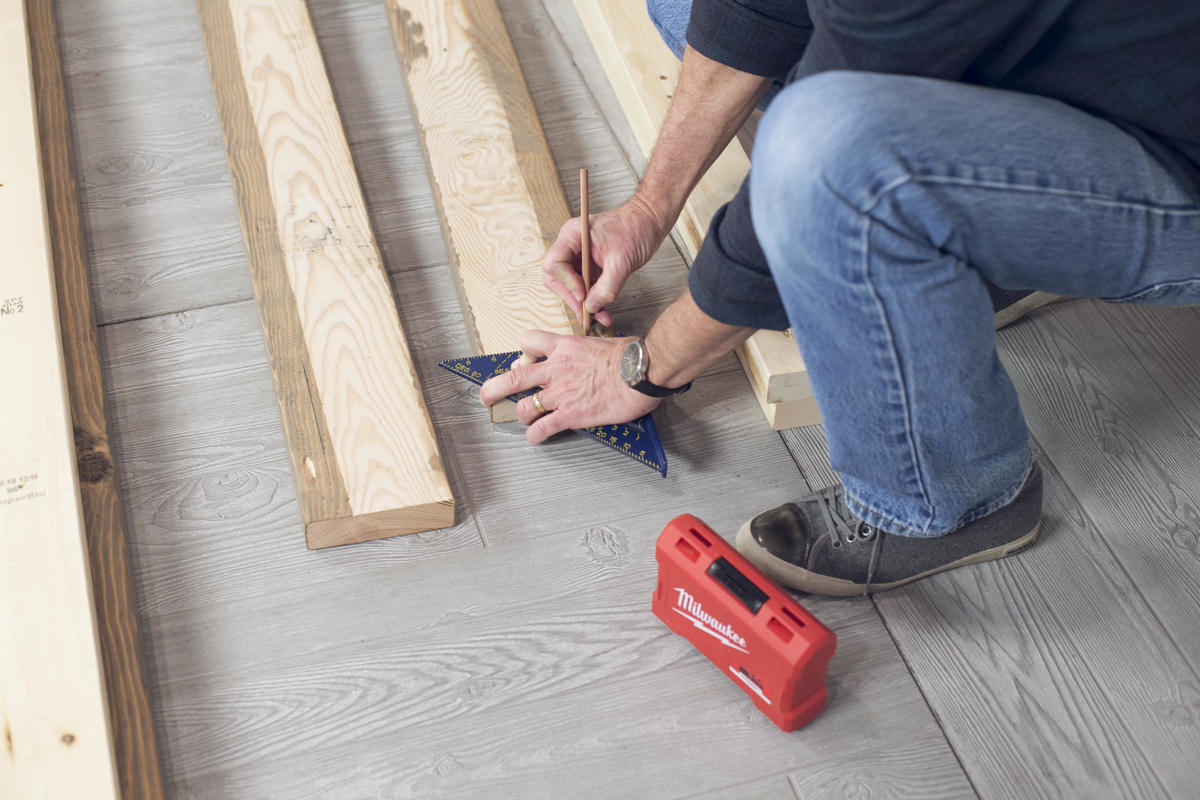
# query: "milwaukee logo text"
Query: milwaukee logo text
690,607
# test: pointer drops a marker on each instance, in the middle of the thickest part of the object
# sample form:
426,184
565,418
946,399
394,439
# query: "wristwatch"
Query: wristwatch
635,362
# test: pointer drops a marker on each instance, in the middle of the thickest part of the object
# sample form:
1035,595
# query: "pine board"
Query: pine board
493,179
364,456
57,740
643,72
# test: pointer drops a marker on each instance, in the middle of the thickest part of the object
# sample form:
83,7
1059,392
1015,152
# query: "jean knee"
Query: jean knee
829,143
671,17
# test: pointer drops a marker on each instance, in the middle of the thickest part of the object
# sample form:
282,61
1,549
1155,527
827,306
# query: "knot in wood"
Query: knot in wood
93,466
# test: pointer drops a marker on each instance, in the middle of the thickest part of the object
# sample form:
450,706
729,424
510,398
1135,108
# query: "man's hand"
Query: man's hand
622,241
581,385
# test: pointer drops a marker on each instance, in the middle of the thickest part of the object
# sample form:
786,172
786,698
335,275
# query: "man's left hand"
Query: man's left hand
581,385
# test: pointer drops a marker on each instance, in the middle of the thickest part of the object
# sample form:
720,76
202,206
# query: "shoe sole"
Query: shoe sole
791,576
1007,316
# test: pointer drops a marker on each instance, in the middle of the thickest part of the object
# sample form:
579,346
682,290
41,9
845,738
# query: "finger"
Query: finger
605,318
540,344
566,246
523,360
604,291
527,410
513,381
547,426
564,281
560,271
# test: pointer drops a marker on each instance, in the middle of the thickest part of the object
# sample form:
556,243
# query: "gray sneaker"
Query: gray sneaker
817,545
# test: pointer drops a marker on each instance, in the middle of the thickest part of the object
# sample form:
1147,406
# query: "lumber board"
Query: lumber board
136,753
493,178
643,72
364,457
56,740
784,414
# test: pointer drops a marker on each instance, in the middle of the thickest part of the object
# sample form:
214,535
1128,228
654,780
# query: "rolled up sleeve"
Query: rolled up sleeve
730,280
763,37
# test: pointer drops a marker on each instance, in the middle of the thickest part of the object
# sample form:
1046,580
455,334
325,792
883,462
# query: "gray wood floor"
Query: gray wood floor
514,654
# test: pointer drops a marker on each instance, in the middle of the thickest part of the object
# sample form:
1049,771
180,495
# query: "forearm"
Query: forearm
685,341
711,103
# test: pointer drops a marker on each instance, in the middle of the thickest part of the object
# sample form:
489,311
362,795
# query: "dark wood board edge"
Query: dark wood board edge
134,746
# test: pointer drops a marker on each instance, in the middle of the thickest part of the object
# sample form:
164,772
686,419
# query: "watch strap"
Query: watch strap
654,390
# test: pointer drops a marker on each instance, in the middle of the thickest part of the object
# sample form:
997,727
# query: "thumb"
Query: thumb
604,290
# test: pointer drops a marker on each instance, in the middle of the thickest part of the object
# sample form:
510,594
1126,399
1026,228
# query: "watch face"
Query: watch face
631,361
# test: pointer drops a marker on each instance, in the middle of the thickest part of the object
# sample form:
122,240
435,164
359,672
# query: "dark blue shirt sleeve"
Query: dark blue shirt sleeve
730,280
762,37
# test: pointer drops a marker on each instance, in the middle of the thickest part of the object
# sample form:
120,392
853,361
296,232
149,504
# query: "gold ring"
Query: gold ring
537,402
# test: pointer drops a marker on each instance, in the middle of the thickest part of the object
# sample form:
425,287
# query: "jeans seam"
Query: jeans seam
1151,289
899,373
1091,197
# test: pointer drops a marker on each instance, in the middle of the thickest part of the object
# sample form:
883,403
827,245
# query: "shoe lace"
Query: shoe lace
845,528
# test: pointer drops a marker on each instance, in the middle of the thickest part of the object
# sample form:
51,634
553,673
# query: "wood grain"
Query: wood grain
453,663
360,435
136,751
57,740
643,73
206,474
494,181
431,665
1069,669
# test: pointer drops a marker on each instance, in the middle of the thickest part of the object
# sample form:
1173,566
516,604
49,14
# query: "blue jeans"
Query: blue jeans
881,202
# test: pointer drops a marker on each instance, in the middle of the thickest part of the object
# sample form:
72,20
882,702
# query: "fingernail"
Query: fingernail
590,308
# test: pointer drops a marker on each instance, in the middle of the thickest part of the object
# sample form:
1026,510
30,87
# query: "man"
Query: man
920,151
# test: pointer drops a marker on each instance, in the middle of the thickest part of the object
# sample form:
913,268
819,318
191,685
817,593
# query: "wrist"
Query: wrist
657,211
661,371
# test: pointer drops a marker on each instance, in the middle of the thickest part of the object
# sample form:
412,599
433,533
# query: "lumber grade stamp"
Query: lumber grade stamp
643,74
136,751
56,736
493,178
363,451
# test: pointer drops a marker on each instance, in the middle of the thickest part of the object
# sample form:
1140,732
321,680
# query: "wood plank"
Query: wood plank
151,164
1113,401
512,688
249,635
204,465
56,736
1056,671
136,752
643,73
781,415
364,457
494,181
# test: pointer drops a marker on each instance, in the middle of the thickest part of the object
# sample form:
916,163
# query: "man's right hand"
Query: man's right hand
622,240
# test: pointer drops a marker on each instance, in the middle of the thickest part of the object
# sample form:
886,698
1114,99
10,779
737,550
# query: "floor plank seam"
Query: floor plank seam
1075,711
160,314
1052,472
594,104
796,461
921,691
